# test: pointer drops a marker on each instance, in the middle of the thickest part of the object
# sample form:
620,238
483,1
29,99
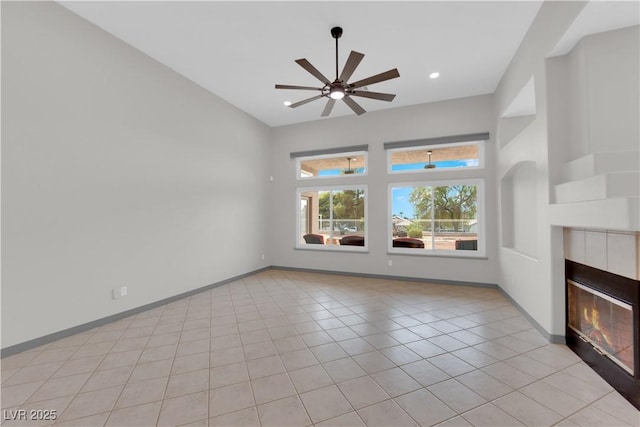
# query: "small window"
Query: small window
440,217
436,157
332,165
332,217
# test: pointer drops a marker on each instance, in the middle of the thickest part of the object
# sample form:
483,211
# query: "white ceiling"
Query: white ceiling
240,50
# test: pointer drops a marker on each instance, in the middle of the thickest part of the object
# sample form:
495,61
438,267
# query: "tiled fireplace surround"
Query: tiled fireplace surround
617,252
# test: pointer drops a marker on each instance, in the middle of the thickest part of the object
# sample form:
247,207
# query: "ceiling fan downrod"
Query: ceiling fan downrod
336,33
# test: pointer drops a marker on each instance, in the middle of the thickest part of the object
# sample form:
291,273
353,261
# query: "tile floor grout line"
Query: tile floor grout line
244,355
175,356
26,401
209,373
126,382
162,400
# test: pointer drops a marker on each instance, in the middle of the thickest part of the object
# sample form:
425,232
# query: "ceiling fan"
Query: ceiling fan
339,88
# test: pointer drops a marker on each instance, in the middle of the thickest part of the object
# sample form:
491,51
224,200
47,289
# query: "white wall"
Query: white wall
525,203
519,198
460,116
535,283
613,67
116,171
597,87
573,102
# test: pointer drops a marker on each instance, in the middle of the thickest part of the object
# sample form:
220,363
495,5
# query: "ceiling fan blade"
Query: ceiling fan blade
313,70
387,75
327,108
350,66
354,105
374,95
298,87
305,101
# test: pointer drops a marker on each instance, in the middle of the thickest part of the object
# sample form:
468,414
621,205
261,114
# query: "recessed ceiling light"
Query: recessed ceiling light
287,103
434,75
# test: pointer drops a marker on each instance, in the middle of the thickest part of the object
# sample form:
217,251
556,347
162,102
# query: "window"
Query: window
331,217
437,217
444,217
332,165
305,215
436,157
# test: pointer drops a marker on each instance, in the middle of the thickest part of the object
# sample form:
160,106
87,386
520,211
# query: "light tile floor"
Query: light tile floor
284,348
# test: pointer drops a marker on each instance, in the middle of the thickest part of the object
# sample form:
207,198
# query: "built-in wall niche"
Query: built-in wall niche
519,205
520,113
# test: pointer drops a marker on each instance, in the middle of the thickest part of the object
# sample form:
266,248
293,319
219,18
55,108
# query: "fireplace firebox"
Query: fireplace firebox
603,325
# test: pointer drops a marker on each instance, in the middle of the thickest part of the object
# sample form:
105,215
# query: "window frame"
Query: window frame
336,247
362,153
481,156
480,216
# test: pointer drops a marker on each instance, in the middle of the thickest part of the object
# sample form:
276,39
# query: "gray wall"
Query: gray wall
531,272
468,115
116,171
585,102
597,84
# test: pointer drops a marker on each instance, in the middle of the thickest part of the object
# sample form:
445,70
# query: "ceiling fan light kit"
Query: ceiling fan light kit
336,93
339,88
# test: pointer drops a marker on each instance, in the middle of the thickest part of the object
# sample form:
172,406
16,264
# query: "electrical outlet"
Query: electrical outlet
123,291
262,256
390,263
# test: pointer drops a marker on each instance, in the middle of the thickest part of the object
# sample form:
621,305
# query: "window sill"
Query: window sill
431,254
334,248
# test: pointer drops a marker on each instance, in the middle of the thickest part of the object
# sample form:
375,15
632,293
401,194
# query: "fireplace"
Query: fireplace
603,325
